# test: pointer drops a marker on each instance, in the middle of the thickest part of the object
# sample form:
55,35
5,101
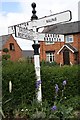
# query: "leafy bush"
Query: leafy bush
6,56
73,102
5,50
55,75
22,76
44,63
61,109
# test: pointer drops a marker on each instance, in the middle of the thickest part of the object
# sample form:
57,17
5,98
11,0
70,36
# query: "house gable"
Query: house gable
9,42
69,47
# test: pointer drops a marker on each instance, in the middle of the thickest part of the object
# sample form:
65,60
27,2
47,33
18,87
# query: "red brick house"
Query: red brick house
65,51
8,41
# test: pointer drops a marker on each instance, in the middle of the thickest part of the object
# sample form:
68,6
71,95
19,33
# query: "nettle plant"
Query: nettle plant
59,109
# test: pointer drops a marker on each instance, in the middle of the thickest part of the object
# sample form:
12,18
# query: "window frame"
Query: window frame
68,37
12,47
49,41
49,56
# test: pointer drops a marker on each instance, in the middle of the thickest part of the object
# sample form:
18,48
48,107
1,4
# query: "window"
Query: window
69,38
12,46
50,57
49,39
52,38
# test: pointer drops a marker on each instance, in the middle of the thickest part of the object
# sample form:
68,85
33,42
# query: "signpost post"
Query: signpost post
29,30
36,46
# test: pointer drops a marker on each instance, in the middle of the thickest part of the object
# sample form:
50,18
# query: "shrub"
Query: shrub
5,50
73,102
55,75
43,63
5,57
22,76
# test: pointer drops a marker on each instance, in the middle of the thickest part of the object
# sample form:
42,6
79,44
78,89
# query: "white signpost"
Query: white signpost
28,34
27,30
44,21
50,20
23,33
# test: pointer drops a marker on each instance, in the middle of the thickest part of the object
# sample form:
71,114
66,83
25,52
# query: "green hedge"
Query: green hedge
22,75
56,75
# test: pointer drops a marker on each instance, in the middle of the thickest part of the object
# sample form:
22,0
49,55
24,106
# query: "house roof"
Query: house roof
67,28
27,53
3,40
68,46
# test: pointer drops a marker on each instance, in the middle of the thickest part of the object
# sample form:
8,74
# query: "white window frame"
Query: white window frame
50,57
52,38
69,38
49,41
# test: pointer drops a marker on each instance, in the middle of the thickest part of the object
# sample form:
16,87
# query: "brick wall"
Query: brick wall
15,54
53,47
57,46
76,44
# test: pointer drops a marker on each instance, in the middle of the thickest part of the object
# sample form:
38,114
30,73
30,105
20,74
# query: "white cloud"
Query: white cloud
43,8
9,20
24,44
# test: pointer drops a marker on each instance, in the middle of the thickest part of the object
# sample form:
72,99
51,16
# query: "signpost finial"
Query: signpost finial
34,17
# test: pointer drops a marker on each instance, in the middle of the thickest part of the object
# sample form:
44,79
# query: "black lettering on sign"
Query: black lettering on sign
51,20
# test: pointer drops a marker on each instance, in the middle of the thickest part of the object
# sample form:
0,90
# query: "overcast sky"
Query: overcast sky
17,11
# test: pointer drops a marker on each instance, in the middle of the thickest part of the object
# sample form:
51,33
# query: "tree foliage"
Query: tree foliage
5,50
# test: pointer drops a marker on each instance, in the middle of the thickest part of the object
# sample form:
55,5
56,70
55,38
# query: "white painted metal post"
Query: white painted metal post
37,70
36,46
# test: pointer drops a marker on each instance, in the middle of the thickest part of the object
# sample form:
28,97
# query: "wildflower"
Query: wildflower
64,82
38,83
54,108
26,110
22,110
56,88
64,97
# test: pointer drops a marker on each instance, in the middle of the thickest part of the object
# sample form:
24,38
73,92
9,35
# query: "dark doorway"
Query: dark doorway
66,58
